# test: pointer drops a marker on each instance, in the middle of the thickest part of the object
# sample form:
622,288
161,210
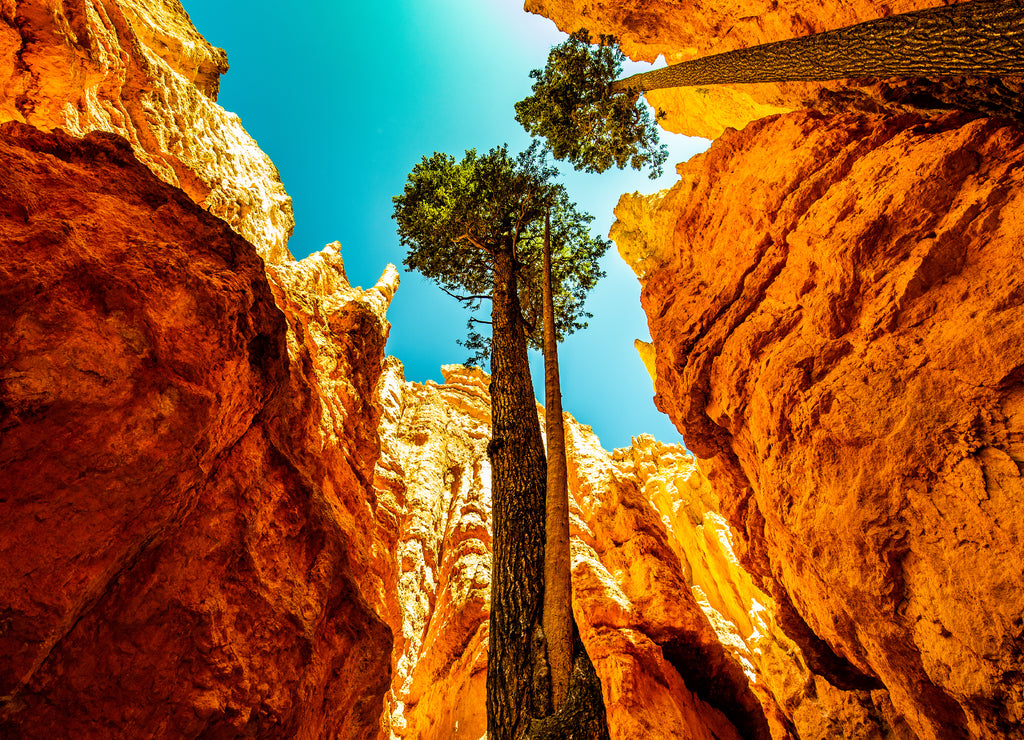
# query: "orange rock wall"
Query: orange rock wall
677,31
684,642
187,438
837,315
185,470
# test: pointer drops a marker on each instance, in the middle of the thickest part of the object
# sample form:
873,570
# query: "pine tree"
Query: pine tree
475,227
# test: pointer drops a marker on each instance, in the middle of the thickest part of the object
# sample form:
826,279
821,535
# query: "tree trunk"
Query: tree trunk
984,37
516,687
558,621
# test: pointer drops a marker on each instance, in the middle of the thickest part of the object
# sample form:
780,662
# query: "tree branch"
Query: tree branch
473,241
474,320
464,298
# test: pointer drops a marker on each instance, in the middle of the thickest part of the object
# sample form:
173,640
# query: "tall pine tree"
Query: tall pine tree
475,227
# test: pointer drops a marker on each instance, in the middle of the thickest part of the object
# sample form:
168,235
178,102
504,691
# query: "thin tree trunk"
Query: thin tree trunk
516,685
984,37
577,709
558,621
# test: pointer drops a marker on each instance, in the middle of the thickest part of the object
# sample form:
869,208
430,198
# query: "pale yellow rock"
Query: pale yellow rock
646,350
433,460
643,232
142,71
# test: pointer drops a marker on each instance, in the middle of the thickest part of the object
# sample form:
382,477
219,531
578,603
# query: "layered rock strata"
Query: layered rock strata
141,70
837,311
678,32
185,471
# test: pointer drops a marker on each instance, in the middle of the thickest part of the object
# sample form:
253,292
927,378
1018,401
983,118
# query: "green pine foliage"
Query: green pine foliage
453,215
572,109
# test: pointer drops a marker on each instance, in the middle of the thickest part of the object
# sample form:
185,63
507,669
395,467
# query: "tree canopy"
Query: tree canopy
453,215
574,110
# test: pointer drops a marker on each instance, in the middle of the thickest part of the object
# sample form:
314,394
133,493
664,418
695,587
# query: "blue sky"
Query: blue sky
346,97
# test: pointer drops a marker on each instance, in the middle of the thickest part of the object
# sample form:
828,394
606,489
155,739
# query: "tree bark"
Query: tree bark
984,37
558,621
516,689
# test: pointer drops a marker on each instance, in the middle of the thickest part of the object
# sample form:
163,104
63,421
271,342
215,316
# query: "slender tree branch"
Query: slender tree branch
464,298
474,242
473,320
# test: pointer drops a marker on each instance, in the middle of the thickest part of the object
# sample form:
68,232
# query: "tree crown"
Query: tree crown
454,216
582,121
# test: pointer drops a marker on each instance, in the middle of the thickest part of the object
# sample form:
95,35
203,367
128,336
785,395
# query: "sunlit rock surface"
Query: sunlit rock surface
435,473
186,473
837,310
678,31
684,642
140,69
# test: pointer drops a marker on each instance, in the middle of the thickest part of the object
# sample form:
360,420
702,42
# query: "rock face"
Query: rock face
185,471
435,474
679,31
435,468
684,642
140,70
837,310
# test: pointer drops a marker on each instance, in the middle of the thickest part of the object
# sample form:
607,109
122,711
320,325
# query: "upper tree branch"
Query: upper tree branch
464,298
469,238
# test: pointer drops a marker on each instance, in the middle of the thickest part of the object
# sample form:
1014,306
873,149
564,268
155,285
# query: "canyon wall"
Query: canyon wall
187,435
185,469
836,309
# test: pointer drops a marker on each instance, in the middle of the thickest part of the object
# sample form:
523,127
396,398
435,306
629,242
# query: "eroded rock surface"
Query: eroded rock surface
837,310
140,70
186,472
685,643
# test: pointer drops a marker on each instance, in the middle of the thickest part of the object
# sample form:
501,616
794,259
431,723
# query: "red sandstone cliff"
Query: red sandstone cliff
185,470
187,437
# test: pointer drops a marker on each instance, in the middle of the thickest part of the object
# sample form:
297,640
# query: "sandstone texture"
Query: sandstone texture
434,474
678,31
139,69
837,313
435,468
685,643
185,471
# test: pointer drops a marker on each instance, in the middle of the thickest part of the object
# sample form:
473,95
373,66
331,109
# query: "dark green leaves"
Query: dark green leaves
453,216
572,109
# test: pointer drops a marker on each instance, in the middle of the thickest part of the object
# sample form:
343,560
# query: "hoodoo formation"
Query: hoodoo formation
224,512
